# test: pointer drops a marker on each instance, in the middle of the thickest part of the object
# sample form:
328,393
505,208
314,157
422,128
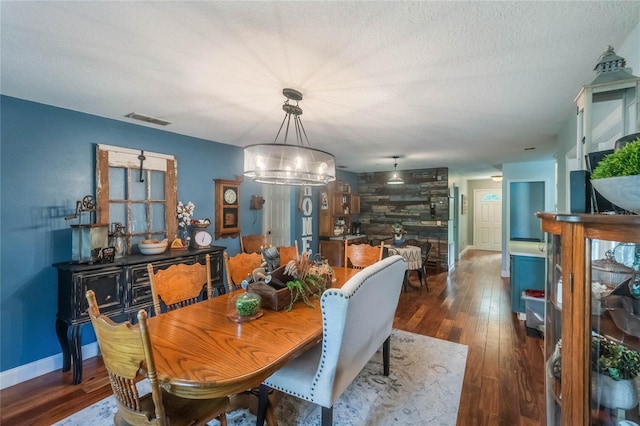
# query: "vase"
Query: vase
615,394
183,234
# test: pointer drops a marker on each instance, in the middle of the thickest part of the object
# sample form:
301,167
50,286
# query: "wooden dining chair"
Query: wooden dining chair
360,256
240,267
288,253
127,351
426,250
180,284
253,243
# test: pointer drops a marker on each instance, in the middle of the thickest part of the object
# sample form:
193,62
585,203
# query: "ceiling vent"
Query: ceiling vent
147,119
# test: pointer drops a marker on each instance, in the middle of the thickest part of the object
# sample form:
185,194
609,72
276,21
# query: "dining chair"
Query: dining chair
240,267
253,243
357,320
426,250
180,284
127,351
288,253
360,256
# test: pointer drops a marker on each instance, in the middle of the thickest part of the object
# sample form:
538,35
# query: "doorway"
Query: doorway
487,219
276,216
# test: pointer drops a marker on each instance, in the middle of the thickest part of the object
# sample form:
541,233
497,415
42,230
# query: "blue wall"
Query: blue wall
48,162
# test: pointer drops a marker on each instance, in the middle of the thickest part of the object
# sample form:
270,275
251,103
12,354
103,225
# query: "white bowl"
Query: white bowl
153,248
623,191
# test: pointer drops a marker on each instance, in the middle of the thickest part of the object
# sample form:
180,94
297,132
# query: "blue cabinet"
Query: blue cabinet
527,272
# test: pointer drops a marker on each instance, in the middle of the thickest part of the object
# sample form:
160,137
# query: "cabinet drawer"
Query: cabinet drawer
107,286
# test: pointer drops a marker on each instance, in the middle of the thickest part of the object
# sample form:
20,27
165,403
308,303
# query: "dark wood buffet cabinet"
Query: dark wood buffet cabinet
122,288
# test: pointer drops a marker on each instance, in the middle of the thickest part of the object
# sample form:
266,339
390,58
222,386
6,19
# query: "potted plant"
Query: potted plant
398,233
309,280
616,366
617,177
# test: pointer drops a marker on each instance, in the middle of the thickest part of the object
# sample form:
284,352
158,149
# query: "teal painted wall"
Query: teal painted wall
48,162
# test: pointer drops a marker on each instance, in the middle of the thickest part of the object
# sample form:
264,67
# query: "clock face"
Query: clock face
230,196
203,238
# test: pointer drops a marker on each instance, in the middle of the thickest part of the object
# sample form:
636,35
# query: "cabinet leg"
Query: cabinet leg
75,347
61,332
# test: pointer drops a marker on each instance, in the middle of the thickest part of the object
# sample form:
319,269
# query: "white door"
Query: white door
276,214
487,219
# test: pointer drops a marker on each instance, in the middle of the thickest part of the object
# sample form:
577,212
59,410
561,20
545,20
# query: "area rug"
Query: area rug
423,388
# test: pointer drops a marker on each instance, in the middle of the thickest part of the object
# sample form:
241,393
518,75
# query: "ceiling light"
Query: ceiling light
395,180
282,164
496,178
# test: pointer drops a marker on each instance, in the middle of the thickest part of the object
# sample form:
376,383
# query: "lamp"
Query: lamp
395,180
496,178
282,164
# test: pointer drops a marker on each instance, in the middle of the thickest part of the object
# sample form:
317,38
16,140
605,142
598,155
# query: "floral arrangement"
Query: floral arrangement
307,282
613,359
184,213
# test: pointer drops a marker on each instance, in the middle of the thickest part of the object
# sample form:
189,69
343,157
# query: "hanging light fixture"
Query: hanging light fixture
288,164
395,180
496,178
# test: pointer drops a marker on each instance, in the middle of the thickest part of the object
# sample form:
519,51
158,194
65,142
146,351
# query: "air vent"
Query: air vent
147,119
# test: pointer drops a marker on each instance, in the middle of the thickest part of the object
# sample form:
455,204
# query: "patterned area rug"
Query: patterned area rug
423,389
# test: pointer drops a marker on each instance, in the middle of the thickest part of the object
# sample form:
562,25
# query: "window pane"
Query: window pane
157,185
138,218
138,189
118,213
117,182
157,217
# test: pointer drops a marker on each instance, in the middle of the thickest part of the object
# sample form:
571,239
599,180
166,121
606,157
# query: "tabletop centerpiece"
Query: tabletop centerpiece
309,280
398,234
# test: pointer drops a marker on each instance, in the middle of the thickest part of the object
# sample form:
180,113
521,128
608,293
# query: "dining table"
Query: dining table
413,257
201,353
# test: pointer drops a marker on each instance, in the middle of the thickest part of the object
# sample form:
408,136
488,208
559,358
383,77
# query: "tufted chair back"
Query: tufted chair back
357,320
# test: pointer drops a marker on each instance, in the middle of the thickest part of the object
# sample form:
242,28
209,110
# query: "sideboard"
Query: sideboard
122,288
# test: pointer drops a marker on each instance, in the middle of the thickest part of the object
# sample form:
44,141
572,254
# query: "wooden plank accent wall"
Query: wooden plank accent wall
382,205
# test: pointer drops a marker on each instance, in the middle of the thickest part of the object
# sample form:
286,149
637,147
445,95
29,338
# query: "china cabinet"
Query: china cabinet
338,205
578,313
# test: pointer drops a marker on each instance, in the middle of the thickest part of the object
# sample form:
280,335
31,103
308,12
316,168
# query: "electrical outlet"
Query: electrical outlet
438,223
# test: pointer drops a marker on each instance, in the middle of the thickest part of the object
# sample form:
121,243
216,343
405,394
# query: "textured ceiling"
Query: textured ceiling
466,85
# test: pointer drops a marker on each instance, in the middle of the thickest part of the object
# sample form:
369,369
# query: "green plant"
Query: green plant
307,283
623,162
247,304
613,359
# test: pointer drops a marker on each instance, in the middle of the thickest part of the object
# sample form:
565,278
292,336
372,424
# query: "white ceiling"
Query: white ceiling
466,85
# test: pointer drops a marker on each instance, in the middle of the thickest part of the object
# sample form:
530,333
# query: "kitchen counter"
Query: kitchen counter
348,237
527,248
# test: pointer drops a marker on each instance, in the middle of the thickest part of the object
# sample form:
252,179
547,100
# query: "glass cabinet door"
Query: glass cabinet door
553,329
592,329
615,332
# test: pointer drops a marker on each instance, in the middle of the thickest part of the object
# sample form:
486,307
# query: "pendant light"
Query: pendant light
395,179
289,164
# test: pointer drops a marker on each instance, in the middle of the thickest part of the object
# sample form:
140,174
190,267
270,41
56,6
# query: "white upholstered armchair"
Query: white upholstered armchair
356,320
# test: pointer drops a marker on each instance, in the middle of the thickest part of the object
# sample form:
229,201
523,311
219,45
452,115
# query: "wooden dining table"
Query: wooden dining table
200,353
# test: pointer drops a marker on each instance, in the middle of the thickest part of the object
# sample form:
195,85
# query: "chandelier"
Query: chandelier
289,164
395,179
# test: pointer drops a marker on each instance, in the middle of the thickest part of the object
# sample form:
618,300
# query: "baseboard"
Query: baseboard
42,366
465,250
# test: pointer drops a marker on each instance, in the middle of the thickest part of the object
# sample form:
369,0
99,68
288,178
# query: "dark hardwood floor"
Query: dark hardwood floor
503,382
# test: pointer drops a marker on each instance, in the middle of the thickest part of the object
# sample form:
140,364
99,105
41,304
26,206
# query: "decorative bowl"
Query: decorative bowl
623,191
153,247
